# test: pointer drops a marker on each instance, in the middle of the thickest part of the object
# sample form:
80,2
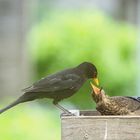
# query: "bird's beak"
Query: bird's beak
96,81
95,89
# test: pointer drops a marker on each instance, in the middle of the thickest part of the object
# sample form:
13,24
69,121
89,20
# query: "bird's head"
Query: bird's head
89,70
98,94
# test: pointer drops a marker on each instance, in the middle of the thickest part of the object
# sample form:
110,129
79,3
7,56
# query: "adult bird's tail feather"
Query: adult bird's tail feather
9,106
24,98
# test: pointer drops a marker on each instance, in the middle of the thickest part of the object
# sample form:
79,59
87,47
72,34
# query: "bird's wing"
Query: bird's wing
134,98
55,83
129,102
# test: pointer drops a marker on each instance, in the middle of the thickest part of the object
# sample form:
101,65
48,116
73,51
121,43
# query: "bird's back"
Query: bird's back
130,103
59,85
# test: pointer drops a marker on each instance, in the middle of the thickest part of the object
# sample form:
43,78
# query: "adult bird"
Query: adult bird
58,86
115,105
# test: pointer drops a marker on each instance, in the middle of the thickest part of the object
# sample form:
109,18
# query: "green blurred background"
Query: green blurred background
42,37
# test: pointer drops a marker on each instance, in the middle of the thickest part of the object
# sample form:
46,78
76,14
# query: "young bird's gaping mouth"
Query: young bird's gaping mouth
95,89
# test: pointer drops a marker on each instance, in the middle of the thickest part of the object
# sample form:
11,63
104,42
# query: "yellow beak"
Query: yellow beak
96,81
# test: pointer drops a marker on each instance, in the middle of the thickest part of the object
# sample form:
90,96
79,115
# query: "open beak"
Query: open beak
96,81
95,89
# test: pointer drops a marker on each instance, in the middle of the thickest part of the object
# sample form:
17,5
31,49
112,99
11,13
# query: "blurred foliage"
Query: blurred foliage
30,123
66,39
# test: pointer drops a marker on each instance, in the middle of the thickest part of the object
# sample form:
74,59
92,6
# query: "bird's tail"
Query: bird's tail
9,106
23,98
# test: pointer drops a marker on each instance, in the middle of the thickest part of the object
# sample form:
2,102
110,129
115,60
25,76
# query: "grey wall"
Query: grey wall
13,54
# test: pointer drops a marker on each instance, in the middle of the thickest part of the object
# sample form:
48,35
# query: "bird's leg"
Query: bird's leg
63,109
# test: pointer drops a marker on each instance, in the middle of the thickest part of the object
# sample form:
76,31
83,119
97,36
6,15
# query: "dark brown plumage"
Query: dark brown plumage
116,105
59,85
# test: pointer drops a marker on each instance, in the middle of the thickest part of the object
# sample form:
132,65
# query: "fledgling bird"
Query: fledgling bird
58,86
115,105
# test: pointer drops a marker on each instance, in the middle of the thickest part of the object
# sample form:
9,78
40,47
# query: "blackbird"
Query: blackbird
58,86
115,105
